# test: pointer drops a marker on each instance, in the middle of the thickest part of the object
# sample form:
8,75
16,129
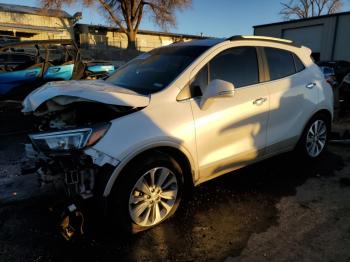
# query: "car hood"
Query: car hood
67,92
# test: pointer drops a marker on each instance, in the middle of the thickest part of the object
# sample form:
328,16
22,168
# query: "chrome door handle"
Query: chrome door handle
310,85
259,101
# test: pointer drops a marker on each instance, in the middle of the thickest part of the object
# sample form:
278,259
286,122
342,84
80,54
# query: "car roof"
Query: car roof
214,41
201,42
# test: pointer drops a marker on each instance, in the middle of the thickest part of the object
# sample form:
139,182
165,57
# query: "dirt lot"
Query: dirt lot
281,210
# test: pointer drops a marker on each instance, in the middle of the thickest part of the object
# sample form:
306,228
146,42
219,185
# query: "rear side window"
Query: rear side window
299,66
236,65
281,63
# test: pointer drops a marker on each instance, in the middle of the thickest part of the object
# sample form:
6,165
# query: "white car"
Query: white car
176,117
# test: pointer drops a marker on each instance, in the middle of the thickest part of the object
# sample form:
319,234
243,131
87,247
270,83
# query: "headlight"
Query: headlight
69,139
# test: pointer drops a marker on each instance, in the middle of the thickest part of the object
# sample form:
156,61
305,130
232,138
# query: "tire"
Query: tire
312,146
135,205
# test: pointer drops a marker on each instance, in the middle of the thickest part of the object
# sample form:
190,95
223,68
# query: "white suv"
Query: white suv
176,117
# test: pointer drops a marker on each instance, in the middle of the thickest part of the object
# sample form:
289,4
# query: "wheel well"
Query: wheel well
183,161
178,155
326,113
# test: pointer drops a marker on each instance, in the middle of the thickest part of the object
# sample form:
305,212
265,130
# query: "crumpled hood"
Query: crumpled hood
66,92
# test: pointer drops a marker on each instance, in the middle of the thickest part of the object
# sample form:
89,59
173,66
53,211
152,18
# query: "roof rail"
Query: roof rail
263,38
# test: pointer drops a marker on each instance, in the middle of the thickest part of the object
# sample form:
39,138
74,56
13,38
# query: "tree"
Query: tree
309,8
127,14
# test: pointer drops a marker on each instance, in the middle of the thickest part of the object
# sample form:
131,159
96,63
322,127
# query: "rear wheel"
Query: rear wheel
149,192
314,139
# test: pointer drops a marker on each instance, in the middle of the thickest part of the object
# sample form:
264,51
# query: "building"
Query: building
21,23
31,23
97,37
328,36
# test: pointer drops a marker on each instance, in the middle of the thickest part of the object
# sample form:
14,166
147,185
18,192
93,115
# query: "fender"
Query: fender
117,171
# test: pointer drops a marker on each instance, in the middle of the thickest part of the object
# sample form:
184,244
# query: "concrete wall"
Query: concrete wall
113,39
329,49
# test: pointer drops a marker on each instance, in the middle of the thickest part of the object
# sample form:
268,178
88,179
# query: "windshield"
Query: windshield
152,72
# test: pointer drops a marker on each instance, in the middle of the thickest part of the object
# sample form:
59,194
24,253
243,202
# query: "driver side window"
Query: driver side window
238,65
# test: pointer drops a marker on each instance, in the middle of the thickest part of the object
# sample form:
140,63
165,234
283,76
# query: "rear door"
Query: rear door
292,95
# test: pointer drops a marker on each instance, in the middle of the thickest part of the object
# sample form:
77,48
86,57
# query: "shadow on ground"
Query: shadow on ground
216,222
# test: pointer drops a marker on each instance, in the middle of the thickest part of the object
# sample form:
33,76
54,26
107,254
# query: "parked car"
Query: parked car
344,90
25,66
341,68
329,75
176,117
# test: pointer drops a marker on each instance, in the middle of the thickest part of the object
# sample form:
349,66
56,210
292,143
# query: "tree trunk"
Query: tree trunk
131,40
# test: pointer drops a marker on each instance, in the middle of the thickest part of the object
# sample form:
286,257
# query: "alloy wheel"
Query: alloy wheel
153,196
316,138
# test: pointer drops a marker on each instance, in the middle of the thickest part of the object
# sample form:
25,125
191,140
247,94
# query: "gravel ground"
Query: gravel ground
280,210
313,225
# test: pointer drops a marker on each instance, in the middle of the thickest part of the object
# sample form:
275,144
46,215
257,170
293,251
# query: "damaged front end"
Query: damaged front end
68,126
62,147
62,162
61,158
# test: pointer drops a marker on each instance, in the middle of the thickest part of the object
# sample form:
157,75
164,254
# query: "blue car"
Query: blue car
24,66
62,72
100,68
18,69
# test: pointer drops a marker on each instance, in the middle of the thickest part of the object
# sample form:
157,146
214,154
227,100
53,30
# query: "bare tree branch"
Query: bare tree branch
309,8
128,14
138,14
112,15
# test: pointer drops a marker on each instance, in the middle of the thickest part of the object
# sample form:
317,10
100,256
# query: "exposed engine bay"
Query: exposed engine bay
72,167
52,116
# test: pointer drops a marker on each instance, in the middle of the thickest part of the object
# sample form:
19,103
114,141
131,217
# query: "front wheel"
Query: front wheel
148,193
314,139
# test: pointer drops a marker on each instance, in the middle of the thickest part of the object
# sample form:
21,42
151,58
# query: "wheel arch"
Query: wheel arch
180,154
323,111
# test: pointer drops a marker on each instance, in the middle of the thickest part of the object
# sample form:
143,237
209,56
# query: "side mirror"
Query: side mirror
215,89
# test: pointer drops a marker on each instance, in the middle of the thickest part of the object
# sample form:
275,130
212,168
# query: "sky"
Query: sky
217,18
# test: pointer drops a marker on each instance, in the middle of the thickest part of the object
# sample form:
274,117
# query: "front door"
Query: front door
231,131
